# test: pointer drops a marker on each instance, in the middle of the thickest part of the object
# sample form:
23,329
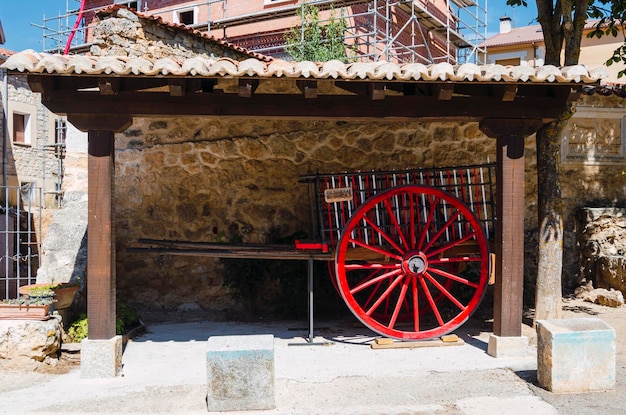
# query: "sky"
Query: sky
17,17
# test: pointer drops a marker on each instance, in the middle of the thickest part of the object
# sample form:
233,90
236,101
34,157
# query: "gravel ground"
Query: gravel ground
165,372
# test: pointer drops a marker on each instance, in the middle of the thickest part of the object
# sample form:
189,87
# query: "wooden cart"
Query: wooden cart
408,250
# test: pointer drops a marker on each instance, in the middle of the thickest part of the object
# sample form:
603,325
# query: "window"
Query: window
509,62
60,131
21,128
135,5
187,17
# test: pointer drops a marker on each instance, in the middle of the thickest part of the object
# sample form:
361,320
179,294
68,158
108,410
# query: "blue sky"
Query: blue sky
17,16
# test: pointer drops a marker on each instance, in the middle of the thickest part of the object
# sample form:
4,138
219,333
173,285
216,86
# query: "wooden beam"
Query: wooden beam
100,238
443,92
177,87
308,88
508,92
109,86
416,107
497,127
100,122
41,84
247,87
377,91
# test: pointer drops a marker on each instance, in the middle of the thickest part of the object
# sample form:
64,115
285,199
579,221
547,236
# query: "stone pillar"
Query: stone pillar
240,373
575,355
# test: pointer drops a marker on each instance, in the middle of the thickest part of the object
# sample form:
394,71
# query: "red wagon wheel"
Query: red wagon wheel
413,251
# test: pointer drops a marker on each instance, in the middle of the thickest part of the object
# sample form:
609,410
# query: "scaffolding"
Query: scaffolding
425,31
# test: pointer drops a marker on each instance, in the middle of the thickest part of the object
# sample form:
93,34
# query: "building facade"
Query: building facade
422,31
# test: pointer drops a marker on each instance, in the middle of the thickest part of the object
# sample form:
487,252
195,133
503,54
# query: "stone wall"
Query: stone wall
33,162
123,33
208,179
602,239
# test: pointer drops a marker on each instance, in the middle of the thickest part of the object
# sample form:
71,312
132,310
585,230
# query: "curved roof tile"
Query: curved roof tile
29,61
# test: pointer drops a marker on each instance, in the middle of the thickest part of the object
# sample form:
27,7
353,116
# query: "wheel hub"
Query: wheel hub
414,263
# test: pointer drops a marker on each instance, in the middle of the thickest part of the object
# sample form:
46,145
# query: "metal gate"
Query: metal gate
20,237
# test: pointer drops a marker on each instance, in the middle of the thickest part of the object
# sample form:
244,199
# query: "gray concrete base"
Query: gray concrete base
575,355
240,373
101,358
507,346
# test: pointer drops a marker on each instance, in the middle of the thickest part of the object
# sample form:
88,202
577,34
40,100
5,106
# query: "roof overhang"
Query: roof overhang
108,86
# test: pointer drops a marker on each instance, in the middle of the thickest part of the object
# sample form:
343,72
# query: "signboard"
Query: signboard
340,194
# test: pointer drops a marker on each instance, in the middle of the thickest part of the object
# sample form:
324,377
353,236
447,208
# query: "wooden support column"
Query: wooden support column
100,226
507,319
508,295
100,237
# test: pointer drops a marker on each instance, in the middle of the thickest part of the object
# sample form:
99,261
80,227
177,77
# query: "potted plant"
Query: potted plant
63,292
37,308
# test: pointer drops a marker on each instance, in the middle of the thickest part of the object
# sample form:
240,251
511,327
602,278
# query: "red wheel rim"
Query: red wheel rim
400,255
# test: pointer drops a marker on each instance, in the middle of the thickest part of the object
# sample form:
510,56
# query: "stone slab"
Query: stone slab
240,373
514,346
575,355
101,358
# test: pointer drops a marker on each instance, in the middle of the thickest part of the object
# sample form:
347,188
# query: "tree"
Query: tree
314,42
611,15
562,22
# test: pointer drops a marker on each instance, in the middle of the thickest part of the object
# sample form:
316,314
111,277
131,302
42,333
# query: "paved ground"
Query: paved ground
165,372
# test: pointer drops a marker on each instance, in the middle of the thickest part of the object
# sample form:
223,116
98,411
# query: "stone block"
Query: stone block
514,346
32,339
101,358
240,373
575,355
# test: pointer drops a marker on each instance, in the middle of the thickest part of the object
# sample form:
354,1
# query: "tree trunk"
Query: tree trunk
550,213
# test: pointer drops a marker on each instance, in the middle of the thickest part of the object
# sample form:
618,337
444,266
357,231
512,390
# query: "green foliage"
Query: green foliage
127,318
78,330
611,16
41,300
43,291
314,42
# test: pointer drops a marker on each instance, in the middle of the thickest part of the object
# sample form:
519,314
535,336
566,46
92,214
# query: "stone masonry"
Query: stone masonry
207,179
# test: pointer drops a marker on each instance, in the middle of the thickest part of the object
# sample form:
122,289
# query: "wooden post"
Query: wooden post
101,237
509,288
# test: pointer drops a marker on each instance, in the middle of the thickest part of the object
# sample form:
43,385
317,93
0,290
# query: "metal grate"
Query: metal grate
20,237
339,195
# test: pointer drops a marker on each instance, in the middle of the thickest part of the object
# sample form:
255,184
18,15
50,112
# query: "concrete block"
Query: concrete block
240,373
575,355
101,358
514,346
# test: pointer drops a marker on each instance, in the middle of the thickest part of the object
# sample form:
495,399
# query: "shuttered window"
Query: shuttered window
19,128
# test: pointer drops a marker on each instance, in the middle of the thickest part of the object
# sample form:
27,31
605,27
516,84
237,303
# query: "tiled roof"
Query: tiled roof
6,52
29,61
183,28
517,36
